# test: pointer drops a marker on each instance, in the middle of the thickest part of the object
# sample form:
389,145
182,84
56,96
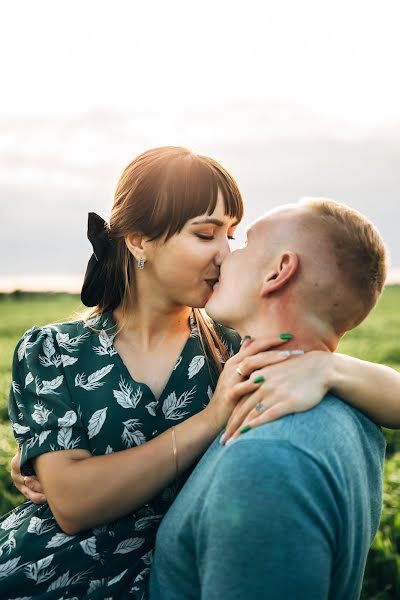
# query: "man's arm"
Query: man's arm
269,525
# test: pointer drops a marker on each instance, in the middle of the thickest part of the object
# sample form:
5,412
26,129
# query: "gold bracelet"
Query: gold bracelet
174,450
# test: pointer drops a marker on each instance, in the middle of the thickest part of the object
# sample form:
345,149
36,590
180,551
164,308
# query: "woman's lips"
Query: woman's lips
212,282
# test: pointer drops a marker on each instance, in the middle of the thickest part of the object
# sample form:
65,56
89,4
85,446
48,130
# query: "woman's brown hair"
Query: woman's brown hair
157,193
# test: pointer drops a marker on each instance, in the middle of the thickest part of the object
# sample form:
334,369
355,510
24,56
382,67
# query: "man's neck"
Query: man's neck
309,333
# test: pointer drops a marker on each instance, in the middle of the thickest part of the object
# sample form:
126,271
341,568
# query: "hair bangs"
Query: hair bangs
189,188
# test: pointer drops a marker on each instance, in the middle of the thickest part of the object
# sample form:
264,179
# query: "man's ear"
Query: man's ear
136,243
286,267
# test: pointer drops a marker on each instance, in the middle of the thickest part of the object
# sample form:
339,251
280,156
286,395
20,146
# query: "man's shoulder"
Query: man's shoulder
330,431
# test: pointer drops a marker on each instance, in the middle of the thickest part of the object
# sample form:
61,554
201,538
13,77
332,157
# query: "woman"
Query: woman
106,447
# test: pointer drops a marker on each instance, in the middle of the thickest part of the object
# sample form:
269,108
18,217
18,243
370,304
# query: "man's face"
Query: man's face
238,291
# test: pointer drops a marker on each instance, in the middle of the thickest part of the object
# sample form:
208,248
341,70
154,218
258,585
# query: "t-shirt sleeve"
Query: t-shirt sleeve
42,412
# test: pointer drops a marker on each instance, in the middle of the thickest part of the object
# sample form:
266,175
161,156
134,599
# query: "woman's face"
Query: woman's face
184,269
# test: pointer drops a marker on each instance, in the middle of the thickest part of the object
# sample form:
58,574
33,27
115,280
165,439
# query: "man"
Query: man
289,509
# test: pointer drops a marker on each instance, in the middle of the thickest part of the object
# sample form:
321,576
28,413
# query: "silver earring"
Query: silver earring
140,263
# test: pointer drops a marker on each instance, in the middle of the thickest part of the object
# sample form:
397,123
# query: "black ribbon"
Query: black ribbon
95,283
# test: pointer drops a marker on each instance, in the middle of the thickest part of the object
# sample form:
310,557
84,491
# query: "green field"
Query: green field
377,339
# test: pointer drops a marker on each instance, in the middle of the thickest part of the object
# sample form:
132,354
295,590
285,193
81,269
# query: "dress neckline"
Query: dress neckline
108,324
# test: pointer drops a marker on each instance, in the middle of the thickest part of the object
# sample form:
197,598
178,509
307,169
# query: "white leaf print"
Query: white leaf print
68,419
39,526
9,567
89,547
126,398
178,362
37,571
95,584
117,578
9,544
130,435
67,360
32,441
64,437
209,392
62,338
70,345
58,540
14,519
49,362
129,545
109,450
151,407
96,422
43,436
220,357
28,379
196,364
148,557
92,381
23,348
15,387
172,404
46,387
106,344
43,563
62,581
91,321
142,575
146,522
41,413
20,428
48,347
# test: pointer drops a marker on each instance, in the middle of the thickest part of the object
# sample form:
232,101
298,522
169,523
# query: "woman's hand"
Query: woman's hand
296,386
28,486
253,354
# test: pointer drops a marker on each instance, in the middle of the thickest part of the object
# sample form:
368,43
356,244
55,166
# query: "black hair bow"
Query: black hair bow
94,283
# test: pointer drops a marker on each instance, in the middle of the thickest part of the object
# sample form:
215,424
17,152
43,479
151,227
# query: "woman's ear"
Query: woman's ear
135,243
286,267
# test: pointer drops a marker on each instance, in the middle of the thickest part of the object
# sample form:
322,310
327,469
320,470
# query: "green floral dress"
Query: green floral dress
71,389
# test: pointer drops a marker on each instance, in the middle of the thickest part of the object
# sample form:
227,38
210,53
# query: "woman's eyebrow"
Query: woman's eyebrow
213,222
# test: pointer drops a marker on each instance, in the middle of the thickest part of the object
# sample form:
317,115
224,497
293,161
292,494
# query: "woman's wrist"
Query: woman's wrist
214,422
335,371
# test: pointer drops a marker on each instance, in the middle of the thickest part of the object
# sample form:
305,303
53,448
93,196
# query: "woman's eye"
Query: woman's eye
205,237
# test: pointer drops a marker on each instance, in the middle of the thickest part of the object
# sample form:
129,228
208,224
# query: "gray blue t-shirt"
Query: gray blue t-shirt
287,511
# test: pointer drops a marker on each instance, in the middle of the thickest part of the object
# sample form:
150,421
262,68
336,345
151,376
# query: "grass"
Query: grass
377,340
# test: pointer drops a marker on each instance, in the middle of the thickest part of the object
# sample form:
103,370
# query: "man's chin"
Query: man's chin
216,313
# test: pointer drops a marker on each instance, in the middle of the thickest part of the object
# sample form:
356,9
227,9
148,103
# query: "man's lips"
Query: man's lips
212,281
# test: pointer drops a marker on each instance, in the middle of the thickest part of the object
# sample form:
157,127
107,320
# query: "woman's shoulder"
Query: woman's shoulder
66,336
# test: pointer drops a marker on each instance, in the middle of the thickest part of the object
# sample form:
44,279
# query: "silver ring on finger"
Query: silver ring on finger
239,372
260,407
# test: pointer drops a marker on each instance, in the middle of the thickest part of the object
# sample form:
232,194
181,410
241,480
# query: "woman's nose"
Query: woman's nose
223,250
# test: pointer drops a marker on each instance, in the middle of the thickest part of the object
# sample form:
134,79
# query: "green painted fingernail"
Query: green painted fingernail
286,336
259,379
245,429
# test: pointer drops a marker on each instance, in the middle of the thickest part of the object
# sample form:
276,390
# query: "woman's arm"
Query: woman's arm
84,490
374,389
303,381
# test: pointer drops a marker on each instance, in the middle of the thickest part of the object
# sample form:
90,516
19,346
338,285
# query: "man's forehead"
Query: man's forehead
271,217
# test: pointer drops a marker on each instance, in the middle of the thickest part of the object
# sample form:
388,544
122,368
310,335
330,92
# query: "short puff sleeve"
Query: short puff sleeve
43,415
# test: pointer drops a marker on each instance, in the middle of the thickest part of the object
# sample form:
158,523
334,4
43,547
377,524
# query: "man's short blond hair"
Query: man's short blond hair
360,252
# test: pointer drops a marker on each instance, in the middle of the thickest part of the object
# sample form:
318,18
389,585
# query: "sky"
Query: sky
294,98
